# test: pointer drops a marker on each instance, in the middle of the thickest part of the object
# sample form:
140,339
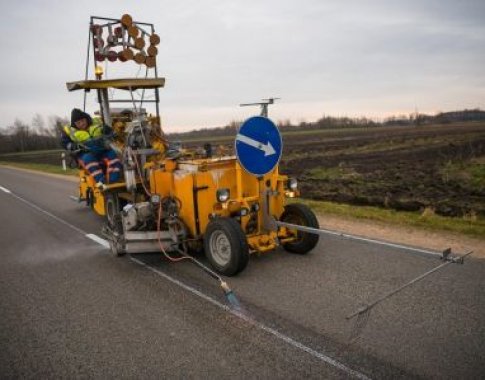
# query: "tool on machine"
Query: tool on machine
363,312
264,105
447,260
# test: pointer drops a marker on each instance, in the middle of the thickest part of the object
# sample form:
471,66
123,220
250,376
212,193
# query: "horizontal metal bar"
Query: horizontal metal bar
118,20
147,235
355,237
147,246
130,101
146,152
304,228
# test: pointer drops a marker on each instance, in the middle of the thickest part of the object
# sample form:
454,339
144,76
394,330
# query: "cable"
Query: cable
138,170
186,256
173,259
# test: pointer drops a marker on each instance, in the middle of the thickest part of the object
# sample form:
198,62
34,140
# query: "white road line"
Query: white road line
5,190
98,240
48,214
261,326
242,316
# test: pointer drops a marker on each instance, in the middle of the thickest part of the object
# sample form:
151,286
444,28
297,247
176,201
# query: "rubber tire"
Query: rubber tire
237,240
90,198
111,205
297,213
116,249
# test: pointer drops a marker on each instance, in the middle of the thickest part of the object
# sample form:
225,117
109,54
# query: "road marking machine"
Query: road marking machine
174,200
178,201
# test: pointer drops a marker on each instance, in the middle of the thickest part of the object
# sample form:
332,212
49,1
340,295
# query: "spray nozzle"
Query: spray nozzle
225,287
230,296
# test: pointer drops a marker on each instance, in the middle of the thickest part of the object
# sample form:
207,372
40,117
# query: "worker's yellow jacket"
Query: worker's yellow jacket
80,136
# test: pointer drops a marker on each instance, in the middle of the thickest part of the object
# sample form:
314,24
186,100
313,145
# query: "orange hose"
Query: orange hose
173,259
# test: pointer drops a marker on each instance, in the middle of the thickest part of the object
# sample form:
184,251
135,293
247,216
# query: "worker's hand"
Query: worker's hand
72,146
107,130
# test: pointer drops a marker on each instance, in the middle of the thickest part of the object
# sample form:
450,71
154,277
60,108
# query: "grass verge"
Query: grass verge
46,168
474,227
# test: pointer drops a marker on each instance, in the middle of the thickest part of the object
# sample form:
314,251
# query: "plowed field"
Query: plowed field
435,168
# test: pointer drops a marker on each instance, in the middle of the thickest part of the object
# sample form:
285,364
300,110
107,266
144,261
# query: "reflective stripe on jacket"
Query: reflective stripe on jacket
80,136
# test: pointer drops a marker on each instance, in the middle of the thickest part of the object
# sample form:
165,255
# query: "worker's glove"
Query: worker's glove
95,145
107,130
72,146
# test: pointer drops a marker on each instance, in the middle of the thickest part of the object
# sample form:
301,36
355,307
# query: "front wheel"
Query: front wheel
302,215
225,246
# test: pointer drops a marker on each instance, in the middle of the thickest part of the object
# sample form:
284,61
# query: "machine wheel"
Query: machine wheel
116,248
226,246
297,213
112,208
90,198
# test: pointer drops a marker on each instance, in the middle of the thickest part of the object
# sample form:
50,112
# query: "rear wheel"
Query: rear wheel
300,214
116,248
112,208
226,246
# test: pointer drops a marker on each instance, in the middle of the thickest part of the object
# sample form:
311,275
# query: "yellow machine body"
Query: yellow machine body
195,183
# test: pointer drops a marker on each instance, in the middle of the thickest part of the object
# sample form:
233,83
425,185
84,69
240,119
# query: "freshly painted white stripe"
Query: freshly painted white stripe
5,190
99,240
49,214
242,316
261,326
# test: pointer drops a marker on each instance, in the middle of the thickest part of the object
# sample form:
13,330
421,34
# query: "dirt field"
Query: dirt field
439,169
436,169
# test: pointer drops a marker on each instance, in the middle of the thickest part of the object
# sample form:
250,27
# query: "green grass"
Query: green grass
31,153
471,172
54,169
472,226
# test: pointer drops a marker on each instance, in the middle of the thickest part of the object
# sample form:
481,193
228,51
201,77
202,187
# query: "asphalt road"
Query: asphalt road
69,309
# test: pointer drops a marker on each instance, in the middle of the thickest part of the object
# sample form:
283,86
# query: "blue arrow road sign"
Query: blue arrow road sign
258,145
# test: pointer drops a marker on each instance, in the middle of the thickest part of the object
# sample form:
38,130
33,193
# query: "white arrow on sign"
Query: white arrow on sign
266,148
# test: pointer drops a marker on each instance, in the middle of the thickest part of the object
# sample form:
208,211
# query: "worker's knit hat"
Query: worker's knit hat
77,114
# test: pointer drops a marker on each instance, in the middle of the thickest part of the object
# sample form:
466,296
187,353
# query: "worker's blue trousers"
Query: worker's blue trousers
92,162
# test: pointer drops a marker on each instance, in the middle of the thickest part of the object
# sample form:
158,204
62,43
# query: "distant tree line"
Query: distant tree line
414,119
41,135
38,135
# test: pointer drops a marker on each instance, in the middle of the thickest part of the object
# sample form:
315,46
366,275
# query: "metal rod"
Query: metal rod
157,95
105,113
354,237
118,20
131,101
87,64
392,292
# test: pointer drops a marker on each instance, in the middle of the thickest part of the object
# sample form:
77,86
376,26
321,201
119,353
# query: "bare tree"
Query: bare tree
55,124
38,123
20,135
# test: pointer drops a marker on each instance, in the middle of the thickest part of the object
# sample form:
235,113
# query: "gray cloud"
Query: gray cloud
349,57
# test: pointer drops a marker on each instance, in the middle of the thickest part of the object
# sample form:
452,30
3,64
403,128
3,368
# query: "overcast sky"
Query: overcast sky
372,58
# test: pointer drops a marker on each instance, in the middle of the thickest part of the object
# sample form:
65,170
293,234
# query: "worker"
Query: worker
84,138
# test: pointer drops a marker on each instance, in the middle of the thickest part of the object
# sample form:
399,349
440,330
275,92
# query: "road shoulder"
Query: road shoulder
412,236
